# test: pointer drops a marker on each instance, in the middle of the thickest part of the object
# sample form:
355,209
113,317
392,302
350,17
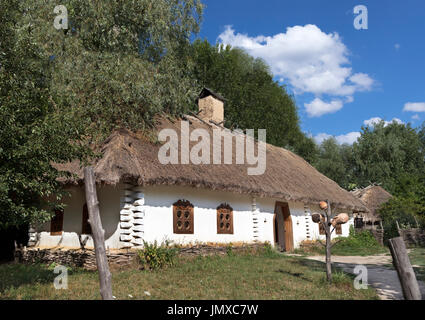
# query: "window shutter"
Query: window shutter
56,224
86,228
183,219
224,219
321,229
338,229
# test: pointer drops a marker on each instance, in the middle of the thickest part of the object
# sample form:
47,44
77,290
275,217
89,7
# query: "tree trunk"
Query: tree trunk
404,269
98,234
328,244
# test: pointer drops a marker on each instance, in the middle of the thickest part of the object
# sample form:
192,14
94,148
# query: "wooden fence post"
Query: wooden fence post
404,269
98,234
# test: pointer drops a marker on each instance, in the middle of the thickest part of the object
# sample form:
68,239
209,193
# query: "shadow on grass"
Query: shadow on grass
295,274
13,275
420,273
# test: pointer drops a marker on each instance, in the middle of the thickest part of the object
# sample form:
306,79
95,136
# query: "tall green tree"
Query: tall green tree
335,161
119,63
33,131
383,153
253,99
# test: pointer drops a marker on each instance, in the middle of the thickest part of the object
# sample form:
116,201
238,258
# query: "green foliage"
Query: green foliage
356,244
33,131
407,207
335,161
229,250
362,239
120,63
384,154
253,99
269,252
154,256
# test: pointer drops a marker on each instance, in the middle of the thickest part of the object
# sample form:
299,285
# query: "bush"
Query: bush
269,252
358,243
154,256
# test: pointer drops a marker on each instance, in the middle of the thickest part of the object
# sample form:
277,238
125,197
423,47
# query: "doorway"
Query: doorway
283,235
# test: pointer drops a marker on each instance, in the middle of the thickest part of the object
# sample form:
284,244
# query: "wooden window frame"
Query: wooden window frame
322,230
223,211
338,229
85,226
183,223
56,223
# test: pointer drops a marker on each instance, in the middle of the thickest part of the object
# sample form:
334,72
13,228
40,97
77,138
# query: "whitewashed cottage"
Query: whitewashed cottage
142,199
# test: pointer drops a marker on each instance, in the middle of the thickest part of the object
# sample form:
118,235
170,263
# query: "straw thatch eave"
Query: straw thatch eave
372,197
128,158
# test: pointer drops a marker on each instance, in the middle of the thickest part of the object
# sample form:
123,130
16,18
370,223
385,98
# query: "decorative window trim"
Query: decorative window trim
56,223
338,229
183,217
322,230
224,219
85,226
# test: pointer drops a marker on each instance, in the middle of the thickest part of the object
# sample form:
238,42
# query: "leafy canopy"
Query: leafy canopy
118,64
33,131
253,99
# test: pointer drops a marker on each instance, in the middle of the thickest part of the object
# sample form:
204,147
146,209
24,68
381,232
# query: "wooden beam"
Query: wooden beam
98,234
405,272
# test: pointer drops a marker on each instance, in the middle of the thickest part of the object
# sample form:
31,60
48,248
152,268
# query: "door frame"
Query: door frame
289,245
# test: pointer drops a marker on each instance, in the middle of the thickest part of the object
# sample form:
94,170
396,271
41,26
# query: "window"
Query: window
321,228
183,217
224,219
338,229
86,228
56,224
358,223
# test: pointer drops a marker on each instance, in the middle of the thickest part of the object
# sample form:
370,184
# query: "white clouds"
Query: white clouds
312,61
362,81
415,117
414,107
348,138
318,107
372,121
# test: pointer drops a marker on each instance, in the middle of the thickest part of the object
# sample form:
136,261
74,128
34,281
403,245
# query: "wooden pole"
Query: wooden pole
328,243
98,234
405,272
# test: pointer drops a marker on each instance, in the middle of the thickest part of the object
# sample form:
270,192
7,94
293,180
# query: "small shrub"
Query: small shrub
269,251
154,256
229,250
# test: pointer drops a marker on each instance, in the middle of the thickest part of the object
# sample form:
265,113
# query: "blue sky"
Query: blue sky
341,77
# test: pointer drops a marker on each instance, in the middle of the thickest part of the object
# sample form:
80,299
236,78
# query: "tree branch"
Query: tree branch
336,242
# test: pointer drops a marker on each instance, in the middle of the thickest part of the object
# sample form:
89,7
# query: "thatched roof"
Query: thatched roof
129,158
372,197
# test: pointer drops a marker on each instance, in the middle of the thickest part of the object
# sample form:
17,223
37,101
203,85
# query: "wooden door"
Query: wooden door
279,229
56,224
289,237
284,237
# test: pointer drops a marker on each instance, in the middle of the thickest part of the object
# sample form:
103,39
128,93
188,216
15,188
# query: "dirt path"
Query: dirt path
381,274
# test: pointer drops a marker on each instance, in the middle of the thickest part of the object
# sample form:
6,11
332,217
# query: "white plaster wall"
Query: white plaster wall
109,205
159,215
158,219
299,221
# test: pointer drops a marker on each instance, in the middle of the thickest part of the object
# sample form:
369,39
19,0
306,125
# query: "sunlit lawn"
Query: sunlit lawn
417,258
215,277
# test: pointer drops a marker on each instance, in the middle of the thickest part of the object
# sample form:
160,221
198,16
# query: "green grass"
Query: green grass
235,276
357,244
417,257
